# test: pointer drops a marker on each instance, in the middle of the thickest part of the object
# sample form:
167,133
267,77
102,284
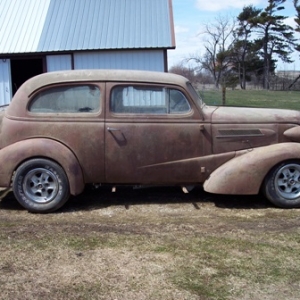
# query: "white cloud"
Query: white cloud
218,5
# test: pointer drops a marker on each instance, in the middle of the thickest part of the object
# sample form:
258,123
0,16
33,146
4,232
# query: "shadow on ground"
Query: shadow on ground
101,198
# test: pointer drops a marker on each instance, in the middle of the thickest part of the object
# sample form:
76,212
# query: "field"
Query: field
154,243
254,98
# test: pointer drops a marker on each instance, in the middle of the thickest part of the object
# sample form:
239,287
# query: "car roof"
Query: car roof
50,78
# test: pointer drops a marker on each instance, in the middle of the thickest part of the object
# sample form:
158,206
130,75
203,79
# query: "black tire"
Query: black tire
41,186
282,185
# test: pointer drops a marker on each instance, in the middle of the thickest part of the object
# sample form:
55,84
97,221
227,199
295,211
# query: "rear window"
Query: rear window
67,99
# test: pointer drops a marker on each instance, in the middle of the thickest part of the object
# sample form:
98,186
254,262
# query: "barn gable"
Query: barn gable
48,35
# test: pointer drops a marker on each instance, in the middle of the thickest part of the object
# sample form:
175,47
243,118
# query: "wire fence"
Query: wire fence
281,81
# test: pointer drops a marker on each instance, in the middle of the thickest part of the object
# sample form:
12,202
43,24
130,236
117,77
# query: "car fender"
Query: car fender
13,155
244,174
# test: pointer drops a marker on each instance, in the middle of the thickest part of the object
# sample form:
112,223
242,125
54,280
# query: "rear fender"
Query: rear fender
13,155
244,174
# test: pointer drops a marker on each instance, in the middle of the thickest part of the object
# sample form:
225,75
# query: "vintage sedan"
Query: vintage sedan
64,130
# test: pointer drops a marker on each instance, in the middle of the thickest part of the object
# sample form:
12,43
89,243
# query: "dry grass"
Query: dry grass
150,244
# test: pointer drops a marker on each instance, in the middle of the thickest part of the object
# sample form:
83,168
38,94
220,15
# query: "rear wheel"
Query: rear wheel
41,185
282,185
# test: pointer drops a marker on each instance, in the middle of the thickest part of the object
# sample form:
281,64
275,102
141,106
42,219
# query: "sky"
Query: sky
190,16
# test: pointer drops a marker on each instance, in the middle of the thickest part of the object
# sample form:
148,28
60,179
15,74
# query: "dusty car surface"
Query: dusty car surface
64,130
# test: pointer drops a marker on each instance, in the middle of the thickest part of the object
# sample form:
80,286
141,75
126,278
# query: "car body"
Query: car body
66,129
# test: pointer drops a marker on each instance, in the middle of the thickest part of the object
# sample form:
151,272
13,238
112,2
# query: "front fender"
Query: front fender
13,155
244,174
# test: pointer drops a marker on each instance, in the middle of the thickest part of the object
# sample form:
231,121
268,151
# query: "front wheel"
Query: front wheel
41,185
282,185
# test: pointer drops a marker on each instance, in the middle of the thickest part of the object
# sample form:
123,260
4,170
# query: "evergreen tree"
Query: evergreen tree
297,20
274,36
297,29
243,51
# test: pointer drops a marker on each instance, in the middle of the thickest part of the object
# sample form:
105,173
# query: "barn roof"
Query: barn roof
36,26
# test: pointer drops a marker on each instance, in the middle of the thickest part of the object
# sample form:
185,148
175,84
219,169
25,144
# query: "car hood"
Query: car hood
244,115
238,128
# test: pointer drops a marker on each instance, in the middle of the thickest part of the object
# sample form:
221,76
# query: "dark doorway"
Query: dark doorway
23,69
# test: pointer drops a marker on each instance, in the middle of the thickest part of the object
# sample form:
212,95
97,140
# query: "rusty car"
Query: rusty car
68,129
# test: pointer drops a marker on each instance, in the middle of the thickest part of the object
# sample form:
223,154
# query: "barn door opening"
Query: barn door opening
23,69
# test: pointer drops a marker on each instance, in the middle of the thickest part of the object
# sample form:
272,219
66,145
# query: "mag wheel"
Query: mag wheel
282,185
41,185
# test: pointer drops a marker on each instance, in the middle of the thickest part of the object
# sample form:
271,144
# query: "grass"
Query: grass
131,245
221,262
254,98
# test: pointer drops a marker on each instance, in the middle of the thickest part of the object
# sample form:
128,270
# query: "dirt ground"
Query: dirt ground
154,243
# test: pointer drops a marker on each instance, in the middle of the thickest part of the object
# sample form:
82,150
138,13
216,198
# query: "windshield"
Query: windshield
194,94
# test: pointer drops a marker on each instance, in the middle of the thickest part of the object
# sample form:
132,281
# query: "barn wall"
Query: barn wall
59,62
5,82
150,60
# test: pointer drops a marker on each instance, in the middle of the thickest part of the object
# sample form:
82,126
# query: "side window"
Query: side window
148,100
178,102
67,99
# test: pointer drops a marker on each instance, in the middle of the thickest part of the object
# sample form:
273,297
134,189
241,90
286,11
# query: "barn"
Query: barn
38,36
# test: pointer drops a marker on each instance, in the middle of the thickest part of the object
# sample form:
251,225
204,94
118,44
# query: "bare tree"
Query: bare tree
185,70
218,39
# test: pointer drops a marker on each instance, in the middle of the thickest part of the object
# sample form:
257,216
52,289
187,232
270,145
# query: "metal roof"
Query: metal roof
31,26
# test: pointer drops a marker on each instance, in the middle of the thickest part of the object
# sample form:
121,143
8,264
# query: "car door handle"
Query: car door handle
118,136
112,129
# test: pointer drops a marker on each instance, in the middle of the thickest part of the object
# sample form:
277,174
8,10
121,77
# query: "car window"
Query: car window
178,102
148,100
195,94
67,99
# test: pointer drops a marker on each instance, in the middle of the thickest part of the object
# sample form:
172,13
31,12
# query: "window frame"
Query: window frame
167,88
68,115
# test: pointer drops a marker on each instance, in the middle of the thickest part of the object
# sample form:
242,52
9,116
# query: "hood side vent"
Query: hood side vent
227,133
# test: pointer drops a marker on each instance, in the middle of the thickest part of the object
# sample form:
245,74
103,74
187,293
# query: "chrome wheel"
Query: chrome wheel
41,185
287,181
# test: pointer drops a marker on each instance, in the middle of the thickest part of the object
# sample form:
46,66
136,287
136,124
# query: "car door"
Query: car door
154,134
71,113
